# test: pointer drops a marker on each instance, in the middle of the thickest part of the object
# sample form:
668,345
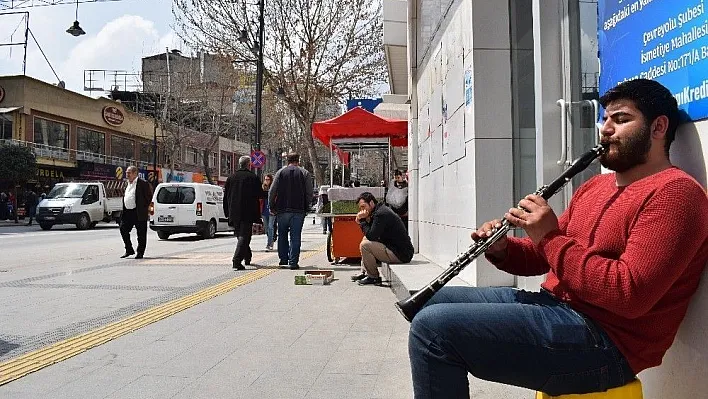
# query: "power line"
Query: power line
45,56
17,4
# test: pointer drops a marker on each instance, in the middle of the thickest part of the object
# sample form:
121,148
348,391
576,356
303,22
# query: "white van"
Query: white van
81,203
188,208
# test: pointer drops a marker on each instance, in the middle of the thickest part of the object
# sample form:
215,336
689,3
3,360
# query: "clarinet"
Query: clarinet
410,306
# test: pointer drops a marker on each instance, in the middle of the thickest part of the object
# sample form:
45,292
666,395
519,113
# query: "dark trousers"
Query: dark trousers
514,337
128,220
243,232
32,212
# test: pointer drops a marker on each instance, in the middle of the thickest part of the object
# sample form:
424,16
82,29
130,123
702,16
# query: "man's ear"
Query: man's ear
659,127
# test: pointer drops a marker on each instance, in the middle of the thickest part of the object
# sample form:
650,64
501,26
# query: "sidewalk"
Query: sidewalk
266,338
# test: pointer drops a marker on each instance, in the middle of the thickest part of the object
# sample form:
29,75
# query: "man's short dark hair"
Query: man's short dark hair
293,157
367,197
651,98
397,173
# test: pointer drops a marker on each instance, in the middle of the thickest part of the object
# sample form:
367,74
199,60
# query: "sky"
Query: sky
118,35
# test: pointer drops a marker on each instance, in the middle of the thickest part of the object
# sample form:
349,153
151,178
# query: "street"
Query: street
79,322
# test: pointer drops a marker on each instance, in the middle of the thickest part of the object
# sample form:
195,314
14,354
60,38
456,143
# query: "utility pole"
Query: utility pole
259,74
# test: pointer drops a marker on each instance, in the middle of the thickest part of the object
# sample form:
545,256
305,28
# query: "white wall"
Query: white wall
684,372
465,162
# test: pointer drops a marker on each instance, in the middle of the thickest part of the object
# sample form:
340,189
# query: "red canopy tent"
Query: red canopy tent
360,123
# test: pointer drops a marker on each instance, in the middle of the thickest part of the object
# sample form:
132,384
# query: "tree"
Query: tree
317,51
18,165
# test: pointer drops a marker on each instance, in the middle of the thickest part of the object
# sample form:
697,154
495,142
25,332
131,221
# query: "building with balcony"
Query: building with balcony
73,136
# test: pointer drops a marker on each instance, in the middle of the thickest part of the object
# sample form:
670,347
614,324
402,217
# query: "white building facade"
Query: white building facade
503,96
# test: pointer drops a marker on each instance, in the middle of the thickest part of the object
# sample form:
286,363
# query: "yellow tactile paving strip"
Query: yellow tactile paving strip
30,362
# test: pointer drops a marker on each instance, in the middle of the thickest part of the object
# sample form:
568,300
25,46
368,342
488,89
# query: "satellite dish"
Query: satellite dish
61,84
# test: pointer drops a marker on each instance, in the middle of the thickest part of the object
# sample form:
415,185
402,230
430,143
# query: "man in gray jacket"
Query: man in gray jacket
289,199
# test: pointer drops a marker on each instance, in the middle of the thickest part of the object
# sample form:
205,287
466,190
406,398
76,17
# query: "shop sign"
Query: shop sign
666,41
2,94
113,116
49,173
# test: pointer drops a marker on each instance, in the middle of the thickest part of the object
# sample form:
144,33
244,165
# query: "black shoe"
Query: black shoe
294,267
238,266
369,280
324,232
139,256
247,261
358,277
127,254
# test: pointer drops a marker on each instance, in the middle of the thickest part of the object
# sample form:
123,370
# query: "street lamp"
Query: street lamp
257,47
75,29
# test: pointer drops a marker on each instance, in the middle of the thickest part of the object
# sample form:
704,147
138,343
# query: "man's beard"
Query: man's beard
628,154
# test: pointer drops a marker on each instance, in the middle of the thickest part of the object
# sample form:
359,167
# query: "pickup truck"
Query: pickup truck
81,203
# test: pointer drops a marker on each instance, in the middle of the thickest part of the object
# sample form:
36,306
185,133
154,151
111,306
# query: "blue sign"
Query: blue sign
662,40
367,103
258,159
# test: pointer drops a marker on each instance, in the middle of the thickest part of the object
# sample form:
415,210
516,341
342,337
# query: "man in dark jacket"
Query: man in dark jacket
136,201
289,199
241,194
385,238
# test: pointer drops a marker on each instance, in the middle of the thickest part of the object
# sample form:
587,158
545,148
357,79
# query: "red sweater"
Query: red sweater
629,257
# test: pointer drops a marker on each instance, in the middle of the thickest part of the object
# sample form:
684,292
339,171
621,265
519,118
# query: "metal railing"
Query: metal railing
68,154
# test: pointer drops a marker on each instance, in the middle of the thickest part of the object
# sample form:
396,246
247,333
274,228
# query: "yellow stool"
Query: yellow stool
633,390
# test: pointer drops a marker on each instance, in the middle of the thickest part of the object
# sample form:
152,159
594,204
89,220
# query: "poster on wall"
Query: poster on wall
662,40
469,90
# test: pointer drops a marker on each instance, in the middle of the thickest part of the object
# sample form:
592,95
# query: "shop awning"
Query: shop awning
360,124
7,110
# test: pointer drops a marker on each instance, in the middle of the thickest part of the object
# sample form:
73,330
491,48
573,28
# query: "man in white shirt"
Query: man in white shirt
136,201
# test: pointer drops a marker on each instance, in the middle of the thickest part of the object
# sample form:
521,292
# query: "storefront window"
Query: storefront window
6,126
51,133
90,141
122,147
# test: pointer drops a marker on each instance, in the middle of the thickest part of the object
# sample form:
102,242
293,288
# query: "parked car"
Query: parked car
188,208
81,203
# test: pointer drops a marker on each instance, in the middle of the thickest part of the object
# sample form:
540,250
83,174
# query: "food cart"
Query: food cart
357,130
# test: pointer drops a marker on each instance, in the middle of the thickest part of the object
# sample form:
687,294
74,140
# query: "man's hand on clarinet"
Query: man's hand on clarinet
496,251
536,217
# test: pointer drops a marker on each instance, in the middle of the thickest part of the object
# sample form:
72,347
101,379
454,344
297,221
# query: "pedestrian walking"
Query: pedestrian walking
136,202
241,194
3,205
289,198
31,205
268,220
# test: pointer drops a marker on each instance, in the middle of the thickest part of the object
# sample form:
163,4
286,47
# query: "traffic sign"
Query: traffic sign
258,159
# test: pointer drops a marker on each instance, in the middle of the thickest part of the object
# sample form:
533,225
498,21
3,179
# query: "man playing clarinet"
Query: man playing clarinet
621,265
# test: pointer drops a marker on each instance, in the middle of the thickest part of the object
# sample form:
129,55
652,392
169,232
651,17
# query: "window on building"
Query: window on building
122,147
146,152
192,156
51,133
212,159
226,166
6,126
90,141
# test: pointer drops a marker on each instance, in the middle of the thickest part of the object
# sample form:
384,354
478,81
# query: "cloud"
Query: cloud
112,48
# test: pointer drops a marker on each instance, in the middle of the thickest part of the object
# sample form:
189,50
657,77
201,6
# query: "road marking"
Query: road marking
34,361
20,366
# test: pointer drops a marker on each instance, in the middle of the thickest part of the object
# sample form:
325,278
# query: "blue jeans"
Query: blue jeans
290,222
269,221
514,337
326,223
